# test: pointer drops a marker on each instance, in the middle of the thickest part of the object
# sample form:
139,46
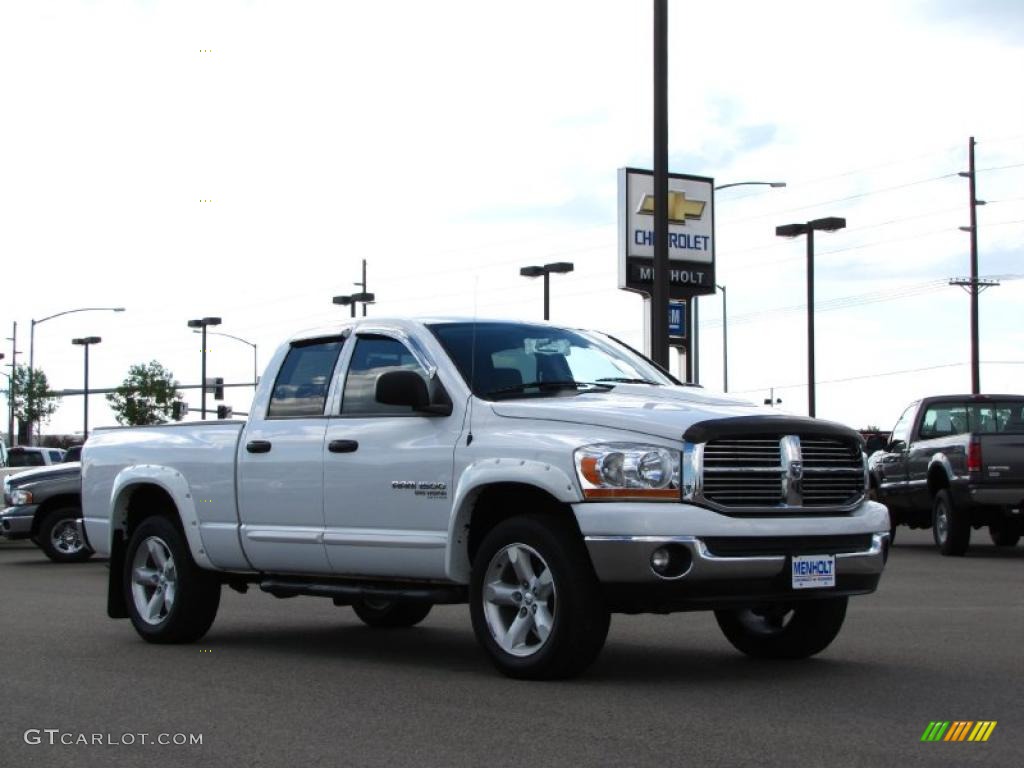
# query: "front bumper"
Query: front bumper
729,560
16,522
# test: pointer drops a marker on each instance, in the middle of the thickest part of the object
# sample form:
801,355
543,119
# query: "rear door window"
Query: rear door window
304,379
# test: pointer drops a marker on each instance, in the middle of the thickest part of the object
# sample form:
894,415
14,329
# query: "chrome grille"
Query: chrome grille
774,473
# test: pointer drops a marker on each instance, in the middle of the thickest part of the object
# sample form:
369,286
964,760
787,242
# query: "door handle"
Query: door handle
342,446
258,446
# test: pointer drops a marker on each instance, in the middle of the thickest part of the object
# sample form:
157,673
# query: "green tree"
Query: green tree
146,396
31,407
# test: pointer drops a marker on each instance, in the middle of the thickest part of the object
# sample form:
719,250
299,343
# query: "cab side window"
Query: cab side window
373,356
302,383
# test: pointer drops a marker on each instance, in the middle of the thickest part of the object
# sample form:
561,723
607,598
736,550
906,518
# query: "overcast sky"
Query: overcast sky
450,143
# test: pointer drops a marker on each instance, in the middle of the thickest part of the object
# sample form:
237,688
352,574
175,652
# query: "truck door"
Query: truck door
892,466
387,470
940,424
280,464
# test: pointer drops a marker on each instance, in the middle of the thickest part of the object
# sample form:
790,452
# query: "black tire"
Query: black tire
391,614
194,598
60,538
1004,534
951,528
784,631
565,614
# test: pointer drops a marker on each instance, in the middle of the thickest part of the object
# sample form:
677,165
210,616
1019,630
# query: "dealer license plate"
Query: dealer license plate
814,571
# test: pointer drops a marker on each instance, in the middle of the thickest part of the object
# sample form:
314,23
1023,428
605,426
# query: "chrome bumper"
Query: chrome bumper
627,559
16,522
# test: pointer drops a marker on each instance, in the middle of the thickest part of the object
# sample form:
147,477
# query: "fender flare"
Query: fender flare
542,475
174,484
943,462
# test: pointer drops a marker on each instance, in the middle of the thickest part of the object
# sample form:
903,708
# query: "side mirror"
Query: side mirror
408,388
897,446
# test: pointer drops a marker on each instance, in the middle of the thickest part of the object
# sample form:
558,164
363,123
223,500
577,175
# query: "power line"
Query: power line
879,375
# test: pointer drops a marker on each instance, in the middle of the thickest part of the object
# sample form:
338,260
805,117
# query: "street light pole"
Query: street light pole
659,283
696,305
32,352
828,224
86,343
558,268
725,342
203,323
811,398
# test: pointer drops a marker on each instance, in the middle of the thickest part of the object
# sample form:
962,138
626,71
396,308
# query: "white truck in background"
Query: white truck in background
547,476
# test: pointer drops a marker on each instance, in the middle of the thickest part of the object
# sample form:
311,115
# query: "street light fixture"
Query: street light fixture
32,347
203,323
772,184
827,224
363,298
557,268
86,342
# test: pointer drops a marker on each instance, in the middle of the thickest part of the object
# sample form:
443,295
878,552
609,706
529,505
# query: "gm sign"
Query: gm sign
691,233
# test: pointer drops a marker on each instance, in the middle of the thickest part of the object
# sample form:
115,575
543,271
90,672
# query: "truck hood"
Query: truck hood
51,472
666,411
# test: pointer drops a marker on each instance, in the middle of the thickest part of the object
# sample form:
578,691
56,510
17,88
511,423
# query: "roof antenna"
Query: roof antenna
472,359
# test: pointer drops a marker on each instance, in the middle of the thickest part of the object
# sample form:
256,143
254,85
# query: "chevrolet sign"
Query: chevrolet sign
690,237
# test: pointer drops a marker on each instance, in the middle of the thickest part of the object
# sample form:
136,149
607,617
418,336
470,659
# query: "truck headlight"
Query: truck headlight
628,471
20,498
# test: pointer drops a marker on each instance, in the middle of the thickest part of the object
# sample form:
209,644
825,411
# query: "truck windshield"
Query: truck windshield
506,360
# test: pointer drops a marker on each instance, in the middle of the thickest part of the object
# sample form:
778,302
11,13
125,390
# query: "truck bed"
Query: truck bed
202,452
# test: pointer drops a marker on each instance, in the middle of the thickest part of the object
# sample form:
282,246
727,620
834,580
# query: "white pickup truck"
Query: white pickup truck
548,477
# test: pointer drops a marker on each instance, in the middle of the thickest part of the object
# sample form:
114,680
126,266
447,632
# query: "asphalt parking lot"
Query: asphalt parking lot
299,682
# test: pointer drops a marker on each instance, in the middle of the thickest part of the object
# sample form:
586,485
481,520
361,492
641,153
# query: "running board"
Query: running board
347,591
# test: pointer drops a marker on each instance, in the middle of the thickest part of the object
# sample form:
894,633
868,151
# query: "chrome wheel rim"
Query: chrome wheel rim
941,522
154,580
66,537
519,599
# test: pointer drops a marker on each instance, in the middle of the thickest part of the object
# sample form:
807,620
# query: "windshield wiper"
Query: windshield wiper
547,386
626,380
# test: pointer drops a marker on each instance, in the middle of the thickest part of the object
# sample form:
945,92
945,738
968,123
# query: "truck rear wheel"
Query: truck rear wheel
170,599
60,537
950,527
1004,533
535,601
784,631
391,614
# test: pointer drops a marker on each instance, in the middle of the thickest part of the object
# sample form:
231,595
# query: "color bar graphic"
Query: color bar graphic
959,730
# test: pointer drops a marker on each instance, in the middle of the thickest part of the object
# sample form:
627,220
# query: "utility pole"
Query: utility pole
11,389
974,288
659,286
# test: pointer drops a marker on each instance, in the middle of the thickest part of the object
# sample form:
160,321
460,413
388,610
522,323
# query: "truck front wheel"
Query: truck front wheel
784,631
535,601
170,599
951,528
